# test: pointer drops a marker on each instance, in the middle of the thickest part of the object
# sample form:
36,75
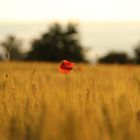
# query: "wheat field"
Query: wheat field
94,102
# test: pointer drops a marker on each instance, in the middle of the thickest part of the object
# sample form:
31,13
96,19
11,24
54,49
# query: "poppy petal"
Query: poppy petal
66,66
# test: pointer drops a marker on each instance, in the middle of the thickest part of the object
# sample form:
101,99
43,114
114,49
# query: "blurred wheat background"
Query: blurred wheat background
93,103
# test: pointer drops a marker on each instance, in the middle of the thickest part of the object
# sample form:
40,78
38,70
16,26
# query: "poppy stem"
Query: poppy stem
67,89
67,81
66,77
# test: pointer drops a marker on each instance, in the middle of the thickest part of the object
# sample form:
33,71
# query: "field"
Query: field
94,102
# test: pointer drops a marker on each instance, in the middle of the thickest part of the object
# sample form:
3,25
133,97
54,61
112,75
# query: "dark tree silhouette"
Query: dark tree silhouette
12,48
57,44
137,54
115,57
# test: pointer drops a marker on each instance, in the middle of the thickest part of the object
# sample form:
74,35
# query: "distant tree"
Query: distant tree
57,44
1,58
12,48
137,54
115,57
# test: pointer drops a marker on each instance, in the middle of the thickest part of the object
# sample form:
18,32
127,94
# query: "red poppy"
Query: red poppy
66,66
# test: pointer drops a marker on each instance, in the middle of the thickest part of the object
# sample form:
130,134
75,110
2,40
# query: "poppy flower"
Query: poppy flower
66,66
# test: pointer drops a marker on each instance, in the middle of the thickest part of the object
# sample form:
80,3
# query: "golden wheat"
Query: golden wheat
95,103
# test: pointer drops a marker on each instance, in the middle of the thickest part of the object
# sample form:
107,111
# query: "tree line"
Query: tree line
58,43
121,57
55,44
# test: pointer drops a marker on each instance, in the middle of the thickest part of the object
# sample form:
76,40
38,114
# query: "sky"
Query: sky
104,24
89,10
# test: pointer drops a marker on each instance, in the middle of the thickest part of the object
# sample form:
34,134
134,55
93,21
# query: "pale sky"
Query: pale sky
70,10
101,37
